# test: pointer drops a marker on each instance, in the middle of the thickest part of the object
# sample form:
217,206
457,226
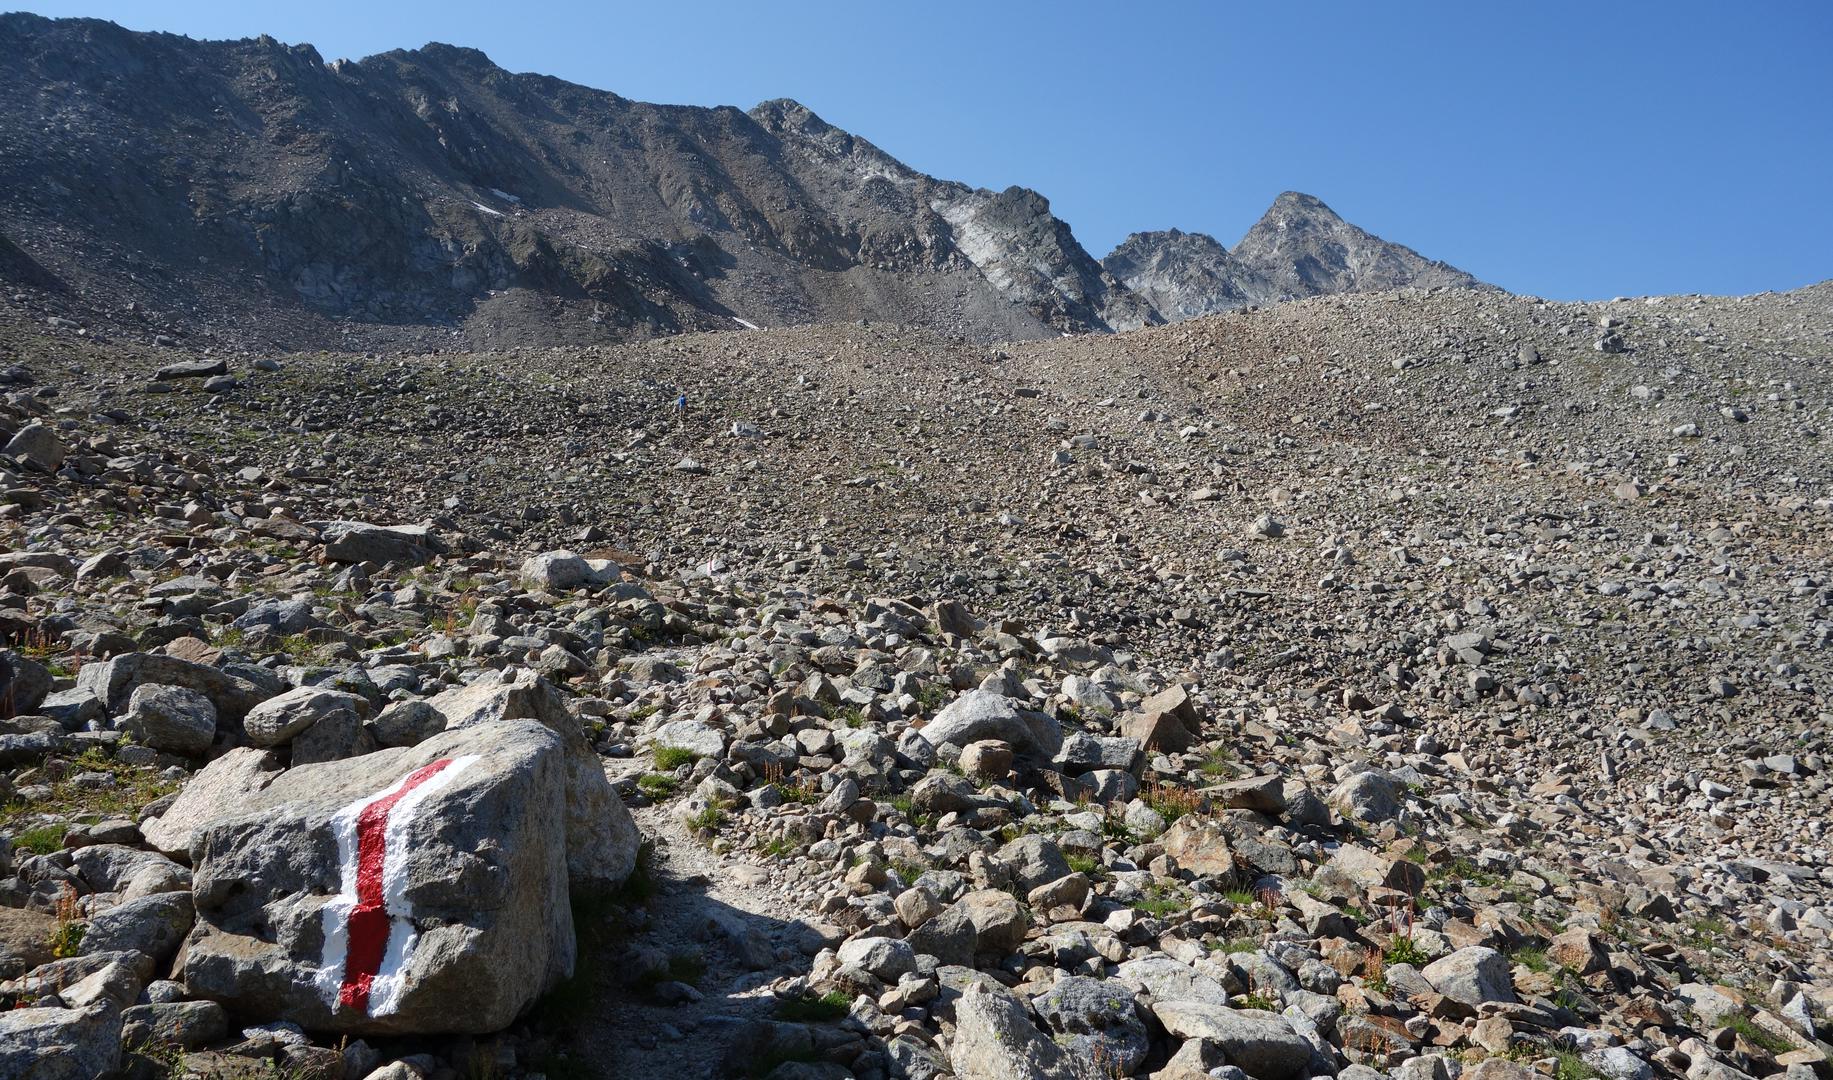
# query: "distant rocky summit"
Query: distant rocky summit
250,193
1298,248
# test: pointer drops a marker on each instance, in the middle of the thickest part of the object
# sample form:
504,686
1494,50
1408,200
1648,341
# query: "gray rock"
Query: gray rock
284,717
996,1040
978,715
563,571
1095,1019
113,681
474,888
59,1044
1165,979
1034,860
950,937
1618,1063
1261,1043
192,369
36,446
406,723
1369,797
188,1025
360,542
1471,976
691,735
170,718
154,925
601,836
885,957
280,616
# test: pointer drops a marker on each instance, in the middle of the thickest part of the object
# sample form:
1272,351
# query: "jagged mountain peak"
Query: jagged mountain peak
1299,247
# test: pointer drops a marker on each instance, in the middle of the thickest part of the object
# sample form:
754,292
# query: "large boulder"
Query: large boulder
1259,1043
979,714
1097,1020
1369,797
1167,721
170,718
1200,845
60,1044
113,682
563,571
360,542
996,1040
601,836
284,717
413,890
215,792
1471,976
36,446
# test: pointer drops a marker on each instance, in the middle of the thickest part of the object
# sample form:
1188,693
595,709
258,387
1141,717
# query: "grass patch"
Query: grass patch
778,848
931,697
1217,763
42,840
1533,959
813,1009
1759,1037
1257,1000
1567,1065
712,818
1082,864
132,788
1236,946
669,758
1402,951
851,716
657,785
1160,899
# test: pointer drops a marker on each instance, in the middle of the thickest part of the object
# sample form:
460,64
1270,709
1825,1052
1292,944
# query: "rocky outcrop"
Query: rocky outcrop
1298,248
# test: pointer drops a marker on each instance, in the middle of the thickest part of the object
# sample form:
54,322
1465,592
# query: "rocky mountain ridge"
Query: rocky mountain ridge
1299,247
250,192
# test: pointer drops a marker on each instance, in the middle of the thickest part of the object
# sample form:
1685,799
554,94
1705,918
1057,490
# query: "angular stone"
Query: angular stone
359,542
1200,845
977,715
59,1044
1261,1044
996,1040
601,836
113,682
170,718
1471,976
475,917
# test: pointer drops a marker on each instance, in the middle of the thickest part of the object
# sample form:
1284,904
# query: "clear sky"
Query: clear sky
1569,150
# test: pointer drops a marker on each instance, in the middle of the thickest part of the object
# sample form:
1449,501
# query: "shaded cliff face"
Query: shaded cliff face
250,190
1298,248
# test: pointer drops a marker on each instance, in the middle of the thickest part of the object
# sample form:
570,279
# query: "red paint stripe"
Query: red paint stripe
368,924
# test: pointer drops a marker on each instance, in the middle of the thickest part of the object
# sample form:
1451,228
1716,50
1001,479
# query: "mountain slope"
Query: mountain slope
1299,247
248,189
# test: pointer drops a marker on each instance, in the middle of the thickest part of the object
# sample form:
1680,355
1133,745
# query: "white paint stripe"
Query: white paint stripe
385,989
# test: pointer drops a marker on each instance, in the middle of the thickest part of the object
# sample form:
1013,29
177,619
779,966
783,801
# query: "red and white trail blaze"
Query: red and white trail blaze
369,928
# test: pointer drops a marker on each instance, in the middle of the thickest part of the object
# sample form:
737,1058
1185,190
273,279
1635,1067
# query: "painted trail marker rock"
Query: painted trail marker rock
413,890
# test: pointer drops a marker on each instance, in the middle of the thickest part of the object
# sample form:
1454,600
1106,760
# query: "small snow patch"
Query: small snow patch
487,210
743,323
513,200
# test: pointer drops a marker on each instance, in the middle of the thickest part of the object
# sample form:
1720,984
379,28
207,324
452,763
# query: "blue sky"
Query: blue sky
1569,150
